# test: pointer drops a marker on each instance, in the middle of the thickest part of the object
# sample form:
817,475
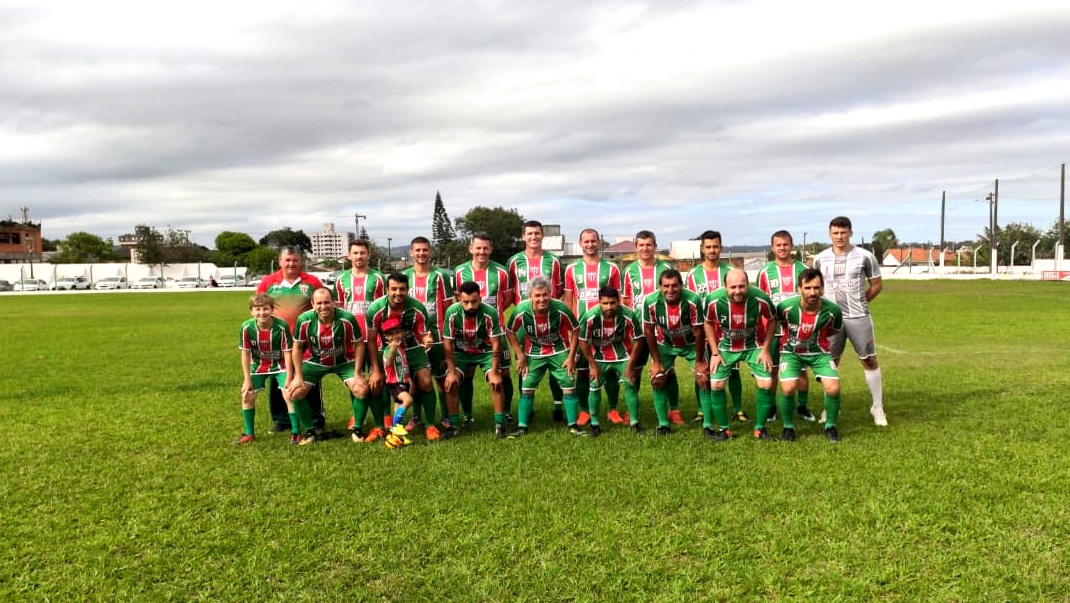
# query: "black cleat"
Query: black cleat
663,430
718,435
788,435
449,432
805,414
519,432
596,430
467,422
501,431
559,414
637,428
576,430
762,434
772,417
832,434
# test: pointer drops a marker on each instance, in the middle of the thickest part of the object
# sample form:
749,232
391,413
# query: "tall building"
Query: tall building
328,244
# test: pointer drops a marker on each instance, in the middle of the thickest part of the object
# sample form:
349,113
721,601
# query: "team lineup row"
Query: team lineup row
590,325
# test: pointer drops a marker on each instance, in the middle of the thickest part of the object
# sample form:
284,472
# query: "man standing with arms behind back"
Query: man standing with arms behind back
292,288
852,280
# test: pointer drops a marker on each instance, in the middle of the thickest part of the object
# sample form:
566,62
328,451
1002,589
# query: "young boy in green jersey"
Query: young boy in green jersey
265,343
396,368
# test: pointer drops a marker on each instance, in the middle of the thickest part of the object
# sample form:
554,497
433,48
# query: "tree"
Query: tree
150,246
1025,235
287,237
504,226
181,250
260,260
233,247
84,248
884,241
442,233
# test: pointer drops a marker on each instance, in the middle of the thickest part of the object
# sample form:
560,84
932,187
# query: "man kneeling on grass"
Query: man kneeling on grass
265,343
809,321
610,338
327,340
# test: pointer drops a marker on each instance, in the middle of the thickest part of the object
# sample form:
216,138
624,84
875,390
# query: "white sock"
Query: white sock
876,386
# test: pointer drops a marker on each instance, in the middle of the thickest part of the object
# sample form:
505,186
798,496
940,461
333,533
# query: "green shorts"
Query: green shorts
792,365
669,354
436,356
607,370
417,359
466,362
537,367
314,373
731,359
260,380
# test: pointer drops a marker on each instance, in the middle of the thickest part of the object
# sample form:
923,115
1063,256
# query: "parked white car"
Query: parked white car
149,282
31,284
71,283
232,280
190,282
112,282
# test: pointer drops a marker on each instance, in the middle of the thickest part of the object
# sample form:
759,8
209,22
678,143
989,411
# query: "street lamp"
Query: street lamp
390,252
804,248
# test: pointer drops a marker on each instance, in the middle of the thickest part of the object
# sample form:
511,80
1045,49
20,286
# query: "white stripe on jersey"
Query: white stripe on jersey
846,277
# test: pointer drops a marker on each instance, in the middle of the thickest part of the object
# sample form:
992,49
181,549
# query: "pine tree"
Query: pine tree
442,233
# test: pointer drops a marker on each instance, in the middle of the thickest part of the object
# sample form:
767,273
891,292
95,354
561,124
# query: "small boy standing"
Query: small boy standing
265,343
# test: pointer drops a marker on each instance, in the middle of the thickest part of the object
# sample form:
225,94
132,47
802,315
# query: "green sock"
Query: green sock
594,400
248,419
467,392
735,388
719,405
427,400
705,398
527,402
631,399
764,399
378,406
832,410
295,426
507,395
583,384
304,413
804,397
499,418
572,408
360,410
672,388
661,406
786,407
612,393
455,420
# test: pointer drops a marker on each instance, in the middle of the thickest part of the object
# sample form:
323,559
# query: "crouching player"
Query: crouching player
471,337
809,322
396,369
327,340
610,338
265,343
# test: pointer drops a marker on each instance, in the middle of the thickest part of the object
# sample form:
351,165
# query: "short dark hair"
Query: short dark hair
533,224
359,243
397,277
416,240
608,291
646,234
710,235
671,273
781,234
841,222
810,274
483,236
468,288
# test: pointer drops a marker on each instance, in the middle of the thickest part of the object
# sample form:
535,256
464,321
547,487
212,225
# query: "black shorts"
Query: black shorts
397,389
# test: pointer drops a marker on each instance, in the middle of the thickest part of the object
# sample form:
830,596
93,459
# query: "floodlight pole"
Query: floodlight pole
943,208
1062,223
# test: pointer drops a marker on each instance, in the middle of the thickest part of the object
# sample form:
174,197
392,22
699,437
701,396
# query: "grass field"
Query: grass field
119,481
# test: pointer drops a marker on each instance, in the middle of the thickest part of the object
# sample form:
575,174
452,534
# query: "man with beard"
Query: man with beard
471,337
610,335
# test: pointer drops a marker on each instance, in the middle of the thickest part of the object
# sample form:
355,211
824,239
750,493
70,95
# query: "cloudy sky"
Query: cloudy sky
743,116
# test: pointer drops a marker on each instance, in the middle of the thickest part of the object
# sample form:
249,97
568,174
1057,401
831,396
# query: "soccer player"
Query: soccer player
583,280
610,336
472,336
265,343
779,279
548,329
809,322
291,287
739,325
433,287
641,279
852,280
355,290
327,340
396,369
704,279
529,264
493,281
672,326
414,323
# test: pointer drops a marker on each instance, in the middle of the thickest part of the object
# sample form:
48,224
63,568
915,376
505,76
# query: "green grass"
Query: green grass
119,481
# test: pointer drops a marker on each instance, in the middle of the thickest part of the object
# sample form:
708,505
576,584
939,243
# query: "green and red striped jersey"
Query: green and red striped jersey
610,339
522,271
739,327
808,332
639,282
583,280
704,281
266,346
674,324
397,370
493,284
356,292
780,283
471,334
413,319
435,291
543,334
329,344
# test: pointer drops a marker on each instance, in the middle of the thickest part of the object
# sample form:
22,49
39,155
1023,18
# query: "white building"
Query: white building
328,244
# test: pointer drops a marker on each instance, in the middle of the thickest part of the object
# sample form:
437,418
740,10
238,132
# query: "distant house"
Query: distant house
917,257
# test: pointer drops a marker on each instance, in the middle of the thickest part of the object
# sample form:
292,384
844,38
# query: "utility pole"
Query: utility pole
991,198
1060,250
357,219
943,208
